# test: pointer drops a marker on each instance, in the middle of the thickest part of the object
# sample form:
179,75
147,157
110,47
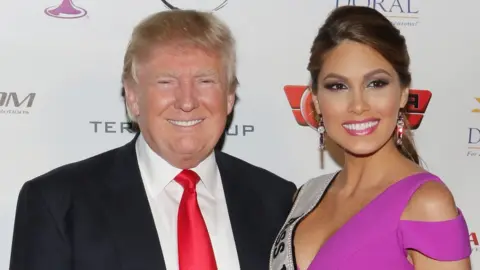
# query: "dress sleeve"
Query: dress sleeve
443,240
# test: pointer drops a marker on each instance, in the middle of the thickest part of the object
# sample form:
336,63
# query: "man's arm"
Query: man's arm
38,243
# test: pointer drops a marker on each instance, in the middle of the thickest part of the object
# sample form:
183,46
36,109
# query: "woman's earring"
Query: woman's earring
321,134
400,128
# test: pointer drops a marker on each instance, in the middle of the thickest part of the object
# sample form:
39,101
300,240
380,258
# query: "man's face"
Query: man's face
181,102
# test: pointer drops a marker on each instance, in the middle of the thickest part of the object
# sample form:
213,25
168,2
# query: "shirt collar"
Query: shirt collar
157,173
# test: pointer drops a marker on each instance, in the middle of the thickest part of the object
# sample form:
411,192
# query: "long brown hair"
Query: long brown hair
369,27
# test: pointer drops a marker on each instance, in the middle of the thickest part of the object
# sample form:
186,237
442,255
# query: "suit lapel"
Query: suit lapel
245,212
129,215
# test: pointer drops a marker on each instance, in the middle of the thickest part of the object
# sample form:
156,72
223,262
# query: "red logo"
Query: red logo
300,100
474,241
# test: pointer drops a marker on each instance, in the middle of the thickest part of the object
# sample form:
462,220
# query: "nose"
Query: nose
186,97
358,105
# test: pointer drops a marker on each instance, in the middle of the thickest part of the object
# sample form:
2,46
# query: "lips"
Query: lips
361,128
185,123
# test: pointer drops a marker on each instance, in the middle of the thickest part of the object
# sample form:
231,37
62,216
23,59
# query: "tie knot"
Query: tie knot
188,179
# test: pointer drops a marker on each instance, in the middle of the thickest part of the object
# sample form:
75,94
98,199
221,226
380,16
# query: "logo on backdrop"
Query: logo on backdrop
112,127
210,5
474,242
473,149
65,10
477,110
400,12
16,103
300,99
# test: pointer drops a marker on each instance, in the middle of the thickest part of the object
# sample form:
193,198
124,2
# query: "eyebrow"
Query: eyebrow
209,72
369,74
202,73
165,74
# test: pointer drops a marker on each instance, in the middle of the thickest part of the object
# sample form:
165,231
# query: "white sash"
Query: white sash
281,255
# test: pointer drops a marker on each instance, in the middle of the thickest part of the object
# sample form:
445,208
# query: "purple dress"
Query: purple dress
375,238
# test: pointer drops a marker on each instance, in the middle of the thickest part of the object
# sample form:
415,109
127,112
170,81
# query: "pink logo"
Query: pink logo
66,10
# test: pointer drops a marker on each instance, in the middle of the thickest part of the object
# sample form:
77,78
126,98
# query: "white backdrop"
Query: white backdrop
73,67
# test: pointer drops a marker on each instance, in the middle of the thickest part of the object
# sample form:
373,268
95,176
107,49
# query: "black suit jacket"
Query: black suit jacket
95,215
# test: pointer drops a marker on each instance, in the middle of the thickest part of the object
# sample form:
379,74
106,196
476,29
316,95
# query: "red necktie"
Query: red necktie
195,250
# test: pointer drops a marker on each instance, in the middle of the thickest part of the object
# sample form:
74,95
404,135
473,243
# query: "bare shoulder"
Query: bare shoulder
433,201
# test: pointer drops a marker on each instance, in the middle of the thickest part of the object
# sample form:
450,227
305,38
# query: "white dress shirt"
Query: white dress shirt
164,195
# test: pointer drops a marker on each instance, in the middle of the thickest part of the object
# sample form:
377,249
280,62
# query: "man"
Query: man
167,199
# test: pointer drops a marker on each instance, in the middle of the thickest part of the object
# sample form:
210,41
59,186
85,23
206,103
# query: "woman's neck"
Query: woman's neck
369,171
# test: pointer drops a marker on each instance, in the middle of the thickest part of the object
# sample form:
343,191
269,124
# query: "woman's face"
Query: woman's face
359,97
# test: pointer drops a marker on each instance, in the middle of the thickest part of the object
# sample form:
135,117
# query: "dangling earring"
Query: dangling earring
321,134
400,128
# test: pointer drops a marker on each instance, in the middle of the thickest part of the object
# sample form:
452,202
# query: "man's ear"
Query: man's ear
231,97
131,98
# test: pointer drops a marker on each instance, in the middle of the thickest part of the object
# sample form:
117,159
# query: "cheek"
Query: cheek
332,108
385,105
153,101
215,101
333,117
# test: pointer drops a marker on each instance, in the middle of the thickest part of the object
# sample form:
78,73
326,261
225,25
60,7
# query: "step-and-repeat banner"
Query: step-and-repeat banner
60,100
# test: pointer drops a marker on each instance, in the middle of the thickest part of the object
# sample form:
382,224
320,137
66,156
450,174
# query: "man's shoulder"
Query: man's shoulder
66,176
254,172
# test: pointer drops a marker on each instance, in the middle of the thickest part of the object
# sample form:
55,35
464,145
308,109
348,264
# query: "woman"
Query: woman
382,211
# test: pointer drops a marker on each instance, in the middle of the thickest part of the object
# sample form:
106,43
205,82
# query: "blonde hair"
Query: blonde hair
186,27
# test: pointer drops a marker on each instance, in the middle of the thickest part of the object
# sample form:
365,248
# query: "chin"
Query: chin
186,149
361,150
189,147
